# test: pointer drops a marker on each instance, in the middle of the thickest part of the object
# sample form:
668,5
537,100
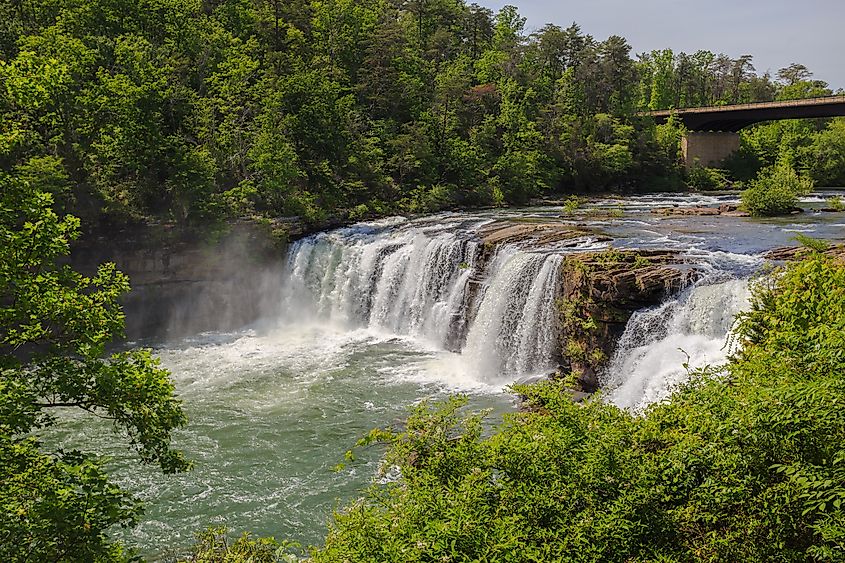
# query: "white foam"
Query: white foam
692,328
415,280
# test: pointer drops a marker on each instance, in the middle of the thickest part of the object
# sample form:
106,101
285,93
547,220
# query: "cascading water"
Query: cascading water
371,316
514,330
691,328
427,282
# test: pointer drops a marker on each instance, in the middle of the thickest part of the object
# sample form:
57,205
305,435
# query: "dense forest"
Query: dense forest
194,111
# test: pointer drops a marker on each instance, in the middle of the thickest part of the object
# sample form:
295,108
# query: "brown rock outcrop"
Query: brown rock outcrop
540,234
787,253
726,209
600,292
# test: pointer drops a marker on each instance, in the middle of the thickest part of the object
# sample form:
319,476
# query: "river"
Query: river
375,318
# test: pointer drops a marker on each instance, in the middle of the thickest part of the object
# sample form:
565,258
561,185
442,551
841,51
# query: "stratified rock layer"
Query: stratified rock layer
600,292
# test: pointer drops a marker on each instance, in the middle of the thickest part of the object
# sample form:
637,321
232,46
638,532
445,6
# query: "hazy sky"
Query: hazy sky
776,32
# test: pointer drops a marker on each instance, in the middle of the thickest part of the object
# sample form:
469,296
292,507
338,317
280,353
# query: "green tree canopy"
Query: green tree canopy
55,326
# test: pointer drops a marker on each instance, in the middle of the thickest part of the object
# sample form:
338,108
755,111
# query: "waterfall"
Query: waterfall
690,328
432,280
514,330
428,281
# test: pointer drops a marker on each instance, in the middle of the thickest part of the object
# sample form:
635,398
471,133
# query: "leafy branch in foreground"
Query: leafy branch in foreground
214,546
55,325
743,463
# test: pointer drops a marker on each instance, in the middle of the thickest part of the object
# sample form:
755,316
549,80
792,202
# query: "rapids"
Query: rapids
378,316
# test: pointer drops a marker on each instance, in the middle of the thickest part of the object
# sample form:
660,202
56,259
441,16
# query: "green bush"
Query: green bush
704,179
572,204
359,212
743,463
215,546
428,200
775,191
835,203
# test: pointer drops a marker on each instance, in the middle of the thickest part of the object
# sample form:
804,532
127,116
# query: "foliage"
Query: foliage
214,546
55,325
572,204
775,191
744,463
825,157
835,203
195,111
702,178
816,147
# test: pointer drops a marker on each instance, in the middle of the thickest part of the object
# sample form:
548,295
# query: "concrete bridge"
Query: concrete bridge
713,131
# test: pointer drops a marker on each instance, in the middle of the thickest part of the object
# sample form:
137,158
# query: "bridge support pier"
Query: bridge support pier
708,148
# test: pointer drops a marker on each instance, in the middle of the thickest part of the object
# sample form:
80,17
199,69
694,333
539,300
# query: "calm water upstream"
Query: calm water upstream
370,314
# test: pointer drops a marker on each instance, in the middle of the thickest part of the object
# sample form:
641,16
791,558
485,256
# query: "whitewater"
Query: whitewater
375,317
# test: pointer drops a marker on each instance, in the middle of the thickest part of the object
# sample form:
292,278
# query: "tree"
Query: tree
478,29
794,73
826,155
741,71
55,325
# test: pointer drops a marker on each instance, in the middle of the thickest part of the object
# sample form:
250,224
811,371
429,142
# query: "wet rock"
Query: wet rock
600,292
539,234
788,253
686,211
726,210
294,228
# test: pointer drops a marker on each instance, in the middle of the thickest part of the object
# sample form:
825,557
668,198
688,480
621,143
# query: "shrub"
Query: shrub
215,546
571,205
743,463
428,200
359,212
775,191
704,179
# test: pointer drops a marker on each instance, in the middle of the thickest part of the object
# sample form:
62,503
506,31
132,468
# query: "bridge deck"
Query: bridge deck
738,116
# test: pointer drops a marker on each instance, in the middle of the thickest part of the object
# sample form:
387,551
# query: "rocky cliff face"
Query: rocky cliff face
836,251
183,284
600,292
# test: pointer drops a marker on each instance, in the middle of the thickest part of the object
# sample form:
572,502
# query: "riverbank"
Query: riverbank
388,313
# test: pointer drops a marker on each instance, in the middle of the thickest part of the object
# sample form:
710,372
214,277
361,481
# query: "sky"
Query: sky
776,32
